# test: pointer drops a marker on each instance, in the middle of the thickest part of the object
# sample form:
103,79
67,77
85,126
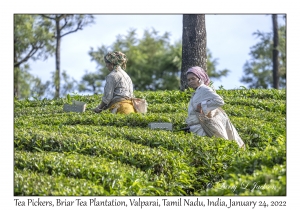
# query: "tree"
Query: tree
32,40
68,84
153,63
275,53
62,25
90,82
38,89
30,86
212,67
258,70
193,45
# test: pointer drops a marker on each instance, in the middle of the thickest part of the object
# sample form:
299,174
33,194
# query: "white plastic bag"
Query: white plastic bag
140,105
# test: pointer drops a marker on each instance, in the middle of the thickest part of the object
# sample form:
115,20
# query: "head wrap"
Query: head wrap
200,73
117,58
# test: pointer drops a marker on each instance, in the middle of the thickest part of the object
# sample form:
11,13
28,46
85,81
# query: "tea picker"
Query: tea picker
140,105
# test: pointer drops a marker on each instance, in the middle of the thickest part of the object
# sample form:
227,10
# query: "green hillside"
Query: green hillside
60,153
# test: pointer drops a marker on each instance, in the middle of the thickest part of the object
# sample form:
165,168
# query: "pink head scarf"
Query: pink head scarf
200,73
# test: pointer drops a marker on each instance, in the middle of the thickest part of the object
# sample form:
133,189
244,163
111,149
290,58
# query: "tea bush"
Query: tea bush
59,153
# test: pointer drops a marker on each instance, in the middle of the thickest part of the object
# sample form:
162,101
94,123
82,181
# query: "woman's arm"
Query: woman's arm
109,89
107,95
209,105
208,100
100,108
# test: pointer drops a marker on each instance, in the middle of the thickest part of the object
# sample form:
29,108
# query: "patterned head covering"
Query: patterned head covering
117,58
200,73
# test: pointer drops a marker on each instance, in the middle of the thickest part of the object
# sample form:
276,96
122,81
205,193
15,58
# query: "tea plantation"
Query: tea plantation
67,153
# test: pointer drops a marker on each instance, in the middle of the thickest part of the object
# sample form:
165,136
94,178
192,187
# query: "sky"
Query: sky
229,38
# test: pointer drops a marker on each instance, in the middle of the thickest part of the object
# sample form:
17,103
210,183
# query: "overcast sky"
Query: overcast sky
229,38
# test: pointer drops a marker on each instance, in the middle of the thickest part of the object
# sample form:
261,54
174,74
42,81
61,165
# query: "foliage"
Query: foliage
105,154
62,25
32,40
212,71
70,23
68,84
153,63
29,86
90,82
258,71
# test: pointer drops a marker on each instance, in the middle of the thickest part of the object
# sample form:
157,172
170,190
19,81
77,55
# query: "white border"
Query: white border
8,8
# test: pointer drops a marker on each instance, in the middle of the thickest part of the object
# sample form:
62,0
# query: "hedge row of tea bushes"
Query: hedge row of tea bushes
59,153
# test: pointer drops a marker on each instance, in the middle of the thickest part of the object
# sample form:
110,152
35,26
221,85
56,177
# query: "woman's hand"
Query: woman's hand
100,108
97,110
199,109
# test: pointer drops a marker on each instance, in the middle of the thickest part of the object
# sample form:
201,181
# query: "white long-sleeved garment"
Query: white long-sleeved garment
209,101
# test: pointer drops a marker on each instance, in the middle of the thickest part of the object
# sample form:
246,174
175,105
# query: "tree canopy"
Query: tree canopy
153,62
62,25
32,40
258,70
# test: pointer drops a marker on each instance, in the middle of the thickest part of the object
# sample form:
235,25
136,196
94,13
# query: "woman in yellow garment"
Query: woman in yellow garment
118,89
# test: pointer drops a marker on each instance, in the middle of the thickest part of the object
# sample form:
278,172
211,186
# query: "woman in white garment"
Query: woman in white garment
206,102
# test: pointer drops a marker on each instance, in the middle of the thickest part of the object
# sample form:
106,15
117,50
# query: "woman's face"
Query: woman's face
109,66
193,81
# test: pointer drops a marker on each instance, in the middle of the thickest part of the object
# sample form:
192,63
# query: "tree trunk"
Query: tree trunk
16,82
57,60
16,74
193,45
275,53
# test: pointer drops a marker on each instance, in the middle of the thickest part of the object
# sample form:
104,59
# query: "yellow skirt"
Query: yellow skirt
122,107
